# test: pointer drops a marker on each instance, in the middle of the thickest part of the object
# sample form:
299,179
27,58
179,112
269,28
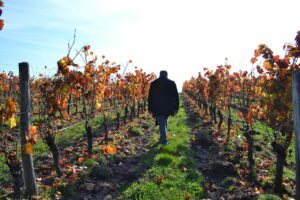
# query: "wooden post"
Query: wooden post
296,104
29,175
10,87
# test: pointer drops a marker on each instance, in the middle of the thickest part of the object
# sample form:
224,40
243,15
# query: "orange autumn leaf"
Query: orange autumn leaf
260,115
240,114
237,89
32,130
28,148
10,107
249,119
187,196
32,136
90,156
110,149
251,111
72,177
66,115
80,159
228,67
55,185
267,65
64,105
231,84
101,147
46,187
253,60
246,145
159,179
11,104
244,172
67,165
236,127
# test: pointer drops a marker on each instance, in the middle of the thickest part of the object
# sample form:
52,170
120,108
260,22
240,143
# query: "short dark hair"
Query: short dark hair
163,73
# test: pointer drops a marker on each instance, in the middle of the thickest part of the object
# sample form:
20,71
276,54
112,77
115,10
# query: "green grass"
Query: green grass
77,131
173,173
268,197
136,131
4,171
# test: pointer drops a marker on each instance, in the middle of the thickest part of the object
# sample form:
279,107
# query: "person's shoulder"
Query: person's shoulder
155,81
171,81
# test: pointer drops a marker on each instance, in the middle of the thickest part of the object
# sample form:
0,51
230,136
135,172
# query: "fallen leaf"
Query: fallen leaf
110,149
187,196
67,165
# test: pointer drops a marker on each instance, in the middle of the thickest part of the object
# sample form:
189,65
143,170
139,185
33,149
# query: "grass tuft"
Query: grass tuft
164,159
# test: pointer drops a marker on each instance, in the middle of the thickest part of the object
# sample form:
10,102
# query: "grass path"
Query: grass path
172,173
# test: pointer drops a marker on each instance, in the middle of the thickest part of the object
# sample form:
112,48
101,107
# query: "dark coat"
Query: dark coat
163,97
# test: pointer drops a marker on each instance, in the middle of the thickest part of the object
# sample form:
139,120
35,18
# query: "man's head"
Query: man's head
163,74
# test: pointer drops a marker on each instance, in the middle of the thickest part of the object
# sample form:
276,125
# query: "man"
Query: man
163,101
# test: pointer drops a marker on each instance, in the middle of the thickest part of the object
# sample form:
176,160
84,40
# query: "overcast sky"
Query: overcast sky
181,37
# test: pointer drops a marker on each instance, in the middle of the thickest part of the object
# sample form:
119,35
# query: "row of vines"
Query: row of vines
262,94
74,93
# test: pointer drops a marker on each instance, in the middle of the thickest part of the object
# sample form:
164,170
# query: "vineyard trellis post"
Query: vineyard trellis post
296,104
24,102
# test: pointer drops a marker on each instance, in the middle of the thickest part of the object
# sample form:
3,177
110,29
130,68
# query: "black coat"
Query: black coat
163,97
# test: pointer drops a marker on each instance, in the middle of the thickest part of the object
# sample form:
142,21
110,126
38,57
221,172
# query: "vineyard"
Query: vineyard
84,132
98,97
258,109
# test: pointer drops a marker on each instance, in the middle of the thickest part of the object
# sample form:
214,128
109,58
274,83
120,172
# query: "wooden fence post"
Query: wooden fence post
24,102
296,104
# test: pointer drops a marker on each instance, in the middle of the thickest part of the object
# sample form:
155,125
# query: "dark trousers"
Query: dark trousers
162,121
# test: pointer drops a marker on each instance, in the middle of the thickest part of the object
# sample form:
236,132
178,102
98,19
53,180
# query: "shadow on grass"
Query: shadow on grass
169,172
145,162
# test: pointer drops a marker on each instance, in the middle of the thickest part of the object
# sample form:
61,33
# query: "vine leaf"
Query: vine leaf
12,122
28,148
1,24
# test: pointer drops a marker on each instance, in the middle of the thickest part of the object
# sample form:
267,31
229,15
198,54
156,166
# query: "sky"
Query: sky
179,36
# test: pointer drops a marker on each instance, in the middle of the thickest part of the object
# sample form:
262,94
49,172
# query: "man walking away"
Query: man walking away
163,101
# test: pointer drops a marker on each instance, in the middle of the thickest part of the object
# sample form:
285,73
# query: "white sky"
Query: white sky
181,37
